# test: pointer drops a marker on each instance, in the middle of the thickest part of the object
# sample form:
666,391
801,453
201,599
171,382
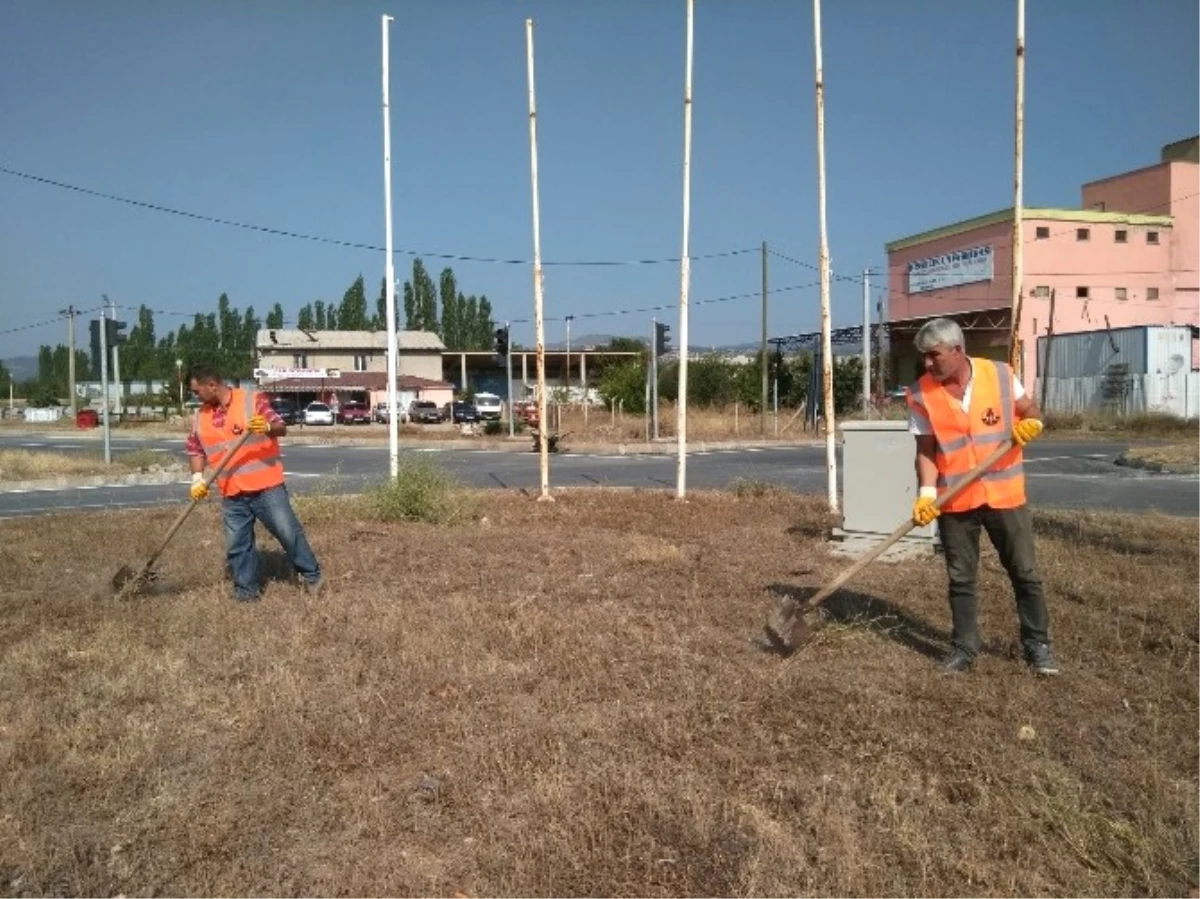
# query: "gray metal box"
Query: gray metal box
879,479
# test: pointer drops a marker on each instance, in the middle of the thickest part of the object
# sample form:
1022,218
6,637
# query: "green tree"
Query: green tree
319,316
485,328
275,317
352,314
380,322
306,320
139,356
452,330
625,383
411,319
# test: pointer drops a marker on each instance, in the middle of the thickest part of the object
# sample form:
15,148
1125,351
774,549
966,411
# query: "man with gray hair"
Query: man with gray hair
960,411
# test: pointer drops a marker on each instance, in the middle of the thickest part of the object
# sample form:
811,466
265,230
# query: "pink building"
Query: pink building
1130,256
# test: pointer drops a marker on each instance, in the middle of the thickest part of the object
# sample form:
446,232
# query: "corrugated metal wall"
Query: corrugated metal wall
1177,395
1152,349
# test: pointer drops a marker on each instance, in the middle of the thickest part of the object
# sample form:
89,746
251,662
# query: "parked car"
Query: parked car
354,413
318,414
460,413
424,412
488,405
286,410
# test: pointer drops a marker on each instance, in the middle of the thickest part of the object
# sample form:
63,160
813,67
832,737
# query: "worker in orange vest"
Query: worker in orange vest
251,483
960,410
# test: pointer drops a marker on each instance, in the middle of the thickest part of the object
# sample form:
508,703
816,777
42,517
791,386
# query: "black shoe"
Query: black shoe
957,661
1039,657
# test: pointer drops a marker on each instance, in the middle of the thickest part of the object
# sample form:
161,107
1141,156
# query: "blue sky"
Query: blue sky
268,112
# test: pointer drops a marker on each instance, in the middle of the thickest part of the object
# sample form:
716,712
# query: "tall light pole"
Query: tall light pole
389,273
538,319
179,377
1016,357
826,336
685,263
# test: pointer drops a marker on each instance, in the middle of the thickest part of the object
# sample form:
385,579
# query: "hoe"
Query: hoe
780,634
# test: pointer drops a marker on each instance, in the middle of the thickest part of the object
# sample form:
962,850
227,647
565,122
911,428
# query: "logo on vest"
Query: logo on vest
237,429
990,417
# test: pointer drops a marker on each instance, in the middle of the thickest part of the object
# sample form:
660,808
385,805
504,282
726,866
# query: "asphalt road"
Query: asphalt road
1072,474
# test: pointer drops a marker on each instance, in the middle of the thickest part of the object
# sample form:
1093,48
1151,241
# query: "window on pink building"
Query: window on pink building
1041,291
1152,293
1152,237
1120,293
1083,233
1043,233
1081,293
1121,236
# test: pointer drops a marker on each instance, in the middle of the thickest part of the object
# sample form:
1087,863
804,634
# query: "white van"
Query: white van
489,406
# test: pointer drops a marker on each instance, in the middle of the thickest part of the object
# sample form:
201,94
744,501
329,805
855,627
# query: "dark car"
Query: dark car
354,413
461,413
286,410
424,412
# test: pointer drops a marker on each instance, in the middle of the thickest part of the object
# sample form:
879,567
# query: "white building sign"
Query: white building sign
279,374
950,269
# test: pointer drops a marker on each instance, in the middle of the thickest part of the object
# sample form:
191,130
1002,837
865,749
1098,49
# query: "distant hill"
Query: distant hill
22,367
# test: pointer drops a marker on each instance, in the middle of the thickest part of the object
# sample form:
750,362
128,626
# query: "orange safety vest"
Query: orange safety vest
256,466
966,439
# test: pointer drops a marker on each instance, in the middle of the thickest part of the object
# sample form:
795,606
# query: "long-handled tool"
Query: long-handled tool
127,581
780,629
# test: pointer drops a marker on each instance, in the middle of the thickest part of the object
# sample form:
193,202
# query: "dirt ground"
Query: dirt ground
561,699
1181,458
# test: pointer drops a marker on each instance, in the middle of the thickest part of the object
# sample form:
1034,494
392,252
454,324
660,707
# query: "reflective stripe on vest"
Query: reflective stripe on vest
964,439
256,466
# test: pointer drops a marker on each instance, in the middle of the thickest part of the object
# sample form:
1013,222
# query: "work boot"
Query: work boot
1040,658
315,588
957,661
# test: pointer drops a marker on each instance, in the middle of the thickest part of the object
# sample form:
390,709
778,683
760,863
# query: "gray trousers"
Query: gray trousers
1011,532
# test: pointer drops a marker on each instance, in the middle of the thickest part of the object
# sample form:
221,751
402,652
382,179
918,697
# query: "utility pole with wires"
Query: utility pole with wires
116,359
538,320
685,263
765,381
69,312
389,271
1015,355
866,342
826,336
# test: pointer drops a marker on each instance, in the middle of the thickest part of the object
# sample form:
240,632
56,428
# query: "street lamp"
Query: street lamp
179,375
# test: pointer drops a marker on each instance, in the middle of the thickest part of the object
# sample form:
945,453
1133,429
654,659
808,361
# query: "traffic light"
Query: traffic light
660,338
113,332
112,336
502,341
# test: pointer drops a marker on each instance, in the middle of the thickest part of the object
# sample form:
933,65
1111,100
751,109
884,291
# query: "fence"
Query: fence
1177,395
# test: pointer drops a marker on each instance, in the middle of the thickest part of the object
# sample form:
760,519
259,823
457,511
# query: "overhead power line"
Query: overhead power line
355,245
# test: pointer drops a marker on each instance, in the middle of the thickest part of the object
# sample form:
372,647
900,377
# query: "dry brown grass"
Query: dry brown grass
25,465
560,699
1176,457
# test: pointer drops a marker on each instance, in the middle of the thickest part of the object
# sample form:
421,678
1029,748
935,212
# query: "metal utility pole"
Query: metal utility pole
69,312
116,355
685,262
508,372
569,319
389,270
1014,341
866,343
654,374
826,336
763,405
539,324
104,386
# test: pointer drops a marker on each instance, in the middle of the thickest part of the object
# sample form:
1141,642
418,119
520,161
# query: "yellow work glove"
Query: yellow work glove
258,424
923,509
199,489
1025,430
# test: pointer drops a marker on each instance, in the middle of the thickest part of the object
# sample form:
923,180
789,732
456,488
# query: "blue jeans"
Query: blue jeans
274,509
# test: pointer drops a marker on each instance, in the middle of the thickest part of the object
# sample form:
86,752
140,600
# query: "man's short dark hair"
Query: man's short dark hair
205,374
